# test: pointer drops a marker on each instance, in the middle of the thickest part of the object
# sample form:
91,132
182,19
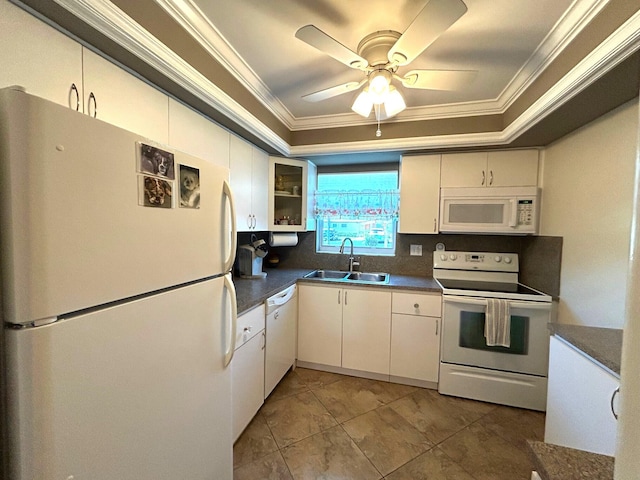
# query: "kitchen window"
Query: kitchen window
362,206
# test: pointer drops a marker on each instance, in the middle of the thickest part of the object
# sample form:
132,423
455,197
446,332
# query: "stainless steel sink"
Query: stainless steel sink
327,274
369,277
353,277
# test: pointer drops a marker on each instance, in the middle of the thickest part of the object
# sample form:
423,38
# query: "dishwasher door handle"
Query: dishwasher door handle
282,298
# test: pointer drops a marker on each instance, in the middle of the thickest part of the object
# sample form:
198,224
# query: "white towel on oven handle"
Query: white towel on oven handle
497,325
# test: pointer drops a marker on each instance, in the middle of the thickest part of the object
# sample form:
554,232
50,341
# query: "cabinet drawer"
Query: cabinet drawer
249,325
411,303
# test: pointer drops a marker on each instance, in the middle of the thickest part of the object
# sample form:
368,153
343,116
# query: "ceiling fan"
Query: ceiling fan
380,55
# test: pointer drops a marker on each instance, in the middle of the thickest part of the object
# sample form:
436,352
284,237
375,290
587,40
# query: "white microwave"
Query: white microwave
498,210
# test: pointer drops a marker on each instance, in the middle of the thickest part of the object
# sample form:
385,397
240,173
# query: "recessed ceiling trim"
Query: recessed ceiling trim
615,49
189,16
105,17
561,35
112,22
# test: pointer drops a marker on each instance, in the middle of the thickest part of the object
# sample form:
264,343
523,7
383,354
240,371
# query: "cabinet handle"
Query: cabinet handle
483,178
345,297
276,315
437,328
264,340
95,105
253,222
74,89
416,306
435,224
339,297
613,397
490,177
249,223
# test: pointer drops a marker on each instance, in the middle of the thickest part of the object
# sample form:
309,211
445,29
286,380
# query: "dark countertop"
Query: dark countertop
553,462
252,292
603,345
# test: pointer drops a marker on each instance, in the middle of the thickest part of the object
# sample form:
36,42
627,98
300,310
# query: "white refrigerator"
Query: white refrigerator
117,302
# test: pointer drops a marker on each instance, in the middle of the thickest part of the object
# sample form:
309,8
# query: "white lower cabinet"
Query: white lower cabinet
366,330
415,336
320,324
348,328
247,369
579,398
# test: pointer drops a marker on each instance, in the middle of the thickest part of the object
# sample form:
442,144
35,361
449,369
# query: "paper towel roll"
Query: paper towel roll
284,239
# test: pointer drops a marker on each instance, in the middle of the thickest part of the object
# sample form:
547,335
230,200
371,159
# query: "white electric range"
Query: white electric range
514,375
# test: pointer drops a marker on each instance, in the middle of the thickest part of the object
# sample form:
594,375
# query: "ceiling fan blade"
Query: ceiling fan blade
436,17
326,44
438,79
333,91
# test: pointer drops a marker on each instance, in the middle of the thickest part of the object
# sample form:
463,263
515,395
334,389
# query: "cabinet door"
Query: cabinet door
124,100
195,134
415,347
366,330
259,188
287,194
247,383
578,402
240,162
464,170
419,194
320,325
513,168
38,57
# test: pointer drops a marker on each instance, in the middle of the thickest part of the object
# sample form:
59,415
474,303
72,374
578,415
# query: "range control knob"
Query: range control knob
507,259
497,258
453,256
443,257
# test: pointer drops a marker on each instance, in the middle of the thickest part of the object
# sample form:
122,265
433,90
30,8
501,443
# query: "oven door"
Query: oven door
463,341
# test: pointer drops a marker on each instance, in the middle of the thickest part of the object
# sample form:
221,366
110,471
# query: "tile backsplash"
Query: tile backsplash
540,256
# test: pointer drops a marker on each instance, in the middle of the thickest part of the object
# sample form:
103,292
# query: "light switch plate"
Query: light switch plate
415,250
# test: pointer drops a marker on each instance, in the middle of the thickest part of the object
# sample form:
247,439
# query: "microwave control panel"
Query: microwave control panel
525,212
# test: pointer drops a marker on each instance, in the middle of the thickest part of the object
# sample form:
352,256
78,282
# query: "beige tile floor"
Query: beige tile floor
319,425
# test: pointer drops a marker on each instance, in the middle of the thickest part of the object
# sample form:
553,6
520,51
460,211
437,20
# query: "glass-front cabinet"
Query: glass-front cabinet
288,194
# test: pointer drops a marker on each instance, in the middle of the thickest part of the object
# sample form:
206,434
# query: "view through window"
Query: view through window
361,206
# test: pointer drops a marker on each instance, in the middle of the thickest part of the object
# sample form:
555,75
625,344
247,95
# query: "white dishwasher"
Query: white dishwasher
281,321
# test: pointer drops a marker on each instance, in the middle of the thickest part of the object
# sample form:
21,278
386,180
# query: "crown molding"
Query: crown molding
106,18
112,22
615,49
187,14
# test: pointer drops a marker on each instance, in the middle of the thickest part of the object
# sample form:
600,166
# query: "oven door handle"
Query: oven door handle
482,301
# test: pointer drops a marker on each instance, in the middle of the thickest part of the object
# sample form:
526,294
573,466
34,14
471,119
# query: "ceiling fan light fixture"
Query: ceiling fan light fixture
379,83
363,103
394,102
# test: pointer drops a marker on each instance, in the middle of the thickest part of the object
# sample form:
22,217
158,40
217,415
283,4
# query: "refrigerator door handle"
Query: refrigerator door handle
228,263
232,319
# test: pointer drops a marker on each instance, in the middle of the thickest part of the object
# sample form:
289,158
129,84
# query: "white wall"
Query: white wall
587,199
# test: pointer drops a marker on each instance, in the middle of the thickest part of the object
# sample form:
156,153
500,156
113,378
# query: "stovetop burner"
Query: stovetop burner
492,287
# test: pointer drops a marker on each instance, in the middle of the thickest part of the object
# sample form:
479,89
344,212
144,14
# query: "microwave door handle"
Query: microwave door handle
513,218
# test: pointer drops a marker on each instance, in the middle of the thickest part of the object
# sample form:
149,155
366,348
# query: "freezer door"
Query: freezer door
74,230
137,391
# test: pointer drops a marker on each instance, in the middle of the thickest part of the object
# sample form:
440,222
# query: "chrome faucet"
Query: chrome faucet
352,260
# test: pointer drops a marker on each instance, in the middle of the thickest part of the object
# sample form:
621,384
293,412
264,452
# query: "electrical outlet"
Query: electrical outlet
415,250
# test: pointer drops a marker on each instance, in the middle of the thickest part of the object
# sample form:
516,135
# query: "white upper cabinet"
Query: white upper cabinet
508,168
249,181
119,98
419,194
193,133
288,192
38,57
